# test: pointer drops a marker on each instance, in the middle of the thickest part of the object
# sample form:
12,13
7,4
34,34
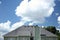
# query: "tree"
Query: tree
51,29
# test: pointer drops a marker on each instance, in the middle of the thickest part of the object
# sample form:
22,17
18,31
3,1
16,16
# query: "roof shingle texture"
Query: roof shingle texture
27,31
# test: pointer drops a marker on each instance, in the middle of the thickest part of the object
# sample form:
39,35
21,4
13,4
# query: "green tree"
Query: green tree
51,29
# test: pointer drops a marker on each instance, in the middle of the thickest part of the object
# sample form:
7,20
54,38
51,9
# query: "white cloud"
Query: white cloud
31,23
59,20
5,26
35,10
58,29
1,35
43,26
18,24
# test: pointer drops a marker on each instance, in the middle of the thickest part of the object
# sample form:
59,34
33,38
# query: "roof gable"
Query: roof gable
27,30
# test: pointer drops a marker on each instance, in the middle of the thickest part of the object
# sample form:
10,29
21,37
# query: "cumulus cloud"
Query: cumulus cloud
35,10
58,22
7,27
4,28
1,37
31,23
20,23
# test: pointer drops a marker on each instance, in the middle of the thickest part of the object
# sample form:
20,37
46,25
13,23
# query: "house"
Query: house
30,33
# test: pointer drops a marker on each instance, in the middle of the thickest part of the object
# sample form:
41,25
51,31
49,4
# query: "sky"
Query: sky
15,13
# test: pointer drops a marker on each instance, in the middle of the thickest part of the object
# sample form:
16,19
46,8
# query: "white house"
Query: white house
30,33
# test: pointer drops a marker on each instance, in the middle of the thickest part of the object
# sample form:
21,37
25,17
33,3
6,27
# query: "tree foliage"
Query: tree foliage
53,30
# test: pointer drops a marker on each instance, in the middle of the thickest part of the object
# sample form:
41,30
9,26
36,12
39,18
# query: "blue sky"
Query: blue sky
11,16
7,12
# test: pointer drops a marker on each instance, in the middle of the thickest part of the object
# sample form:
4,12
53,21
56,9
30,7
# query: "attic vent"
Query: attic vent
43,35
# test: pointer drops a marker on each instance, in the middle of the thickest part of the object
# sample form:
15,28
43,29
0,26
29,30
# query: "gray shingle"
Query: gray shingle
27,30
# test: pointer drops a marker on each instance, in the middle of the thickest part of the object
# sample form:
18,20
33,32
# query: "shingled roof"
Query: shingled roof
27,30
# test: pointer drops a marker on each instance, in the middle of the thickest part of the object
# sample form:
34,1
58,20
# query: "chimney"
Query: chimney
37,33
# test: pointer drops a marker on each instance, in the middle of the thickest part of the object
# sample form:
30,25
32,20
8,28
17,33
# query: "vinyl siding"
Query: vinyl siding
10,38
17,38
48,38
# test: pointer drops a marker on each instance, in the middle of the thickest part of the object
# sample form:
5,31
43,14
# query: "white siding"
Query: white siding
28,38
17,38
9,38
48,38
24,38
43,38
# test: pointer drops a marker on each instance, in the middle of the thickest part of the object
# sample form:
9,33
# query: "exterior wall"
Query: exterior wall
43,38
23,38
28,38
16,38
48,38
10,38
